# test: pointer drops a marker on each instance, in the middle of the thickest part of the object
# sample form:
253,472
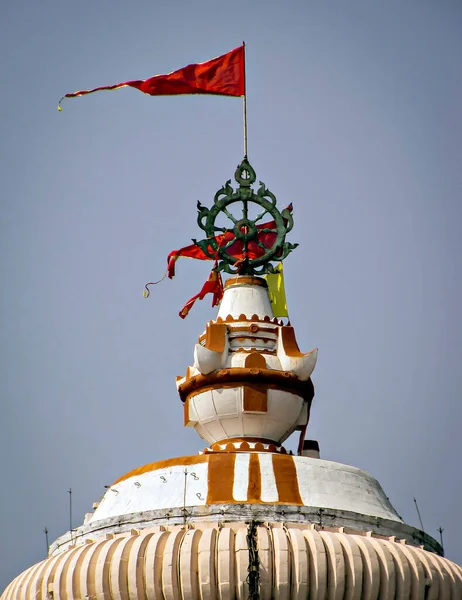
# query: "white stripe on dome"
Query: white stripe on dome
241,477
269,490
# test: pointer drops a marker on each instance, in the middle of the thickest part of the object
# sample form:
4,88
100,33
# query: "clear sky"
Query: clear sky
354,112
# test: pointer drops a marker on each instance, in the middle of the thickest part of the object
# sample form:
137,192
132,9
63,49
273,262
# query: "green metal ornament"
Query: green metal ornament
247,246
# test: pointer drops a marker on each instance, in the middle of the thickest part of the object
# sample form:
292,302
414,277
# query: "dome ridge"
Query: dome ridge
190,561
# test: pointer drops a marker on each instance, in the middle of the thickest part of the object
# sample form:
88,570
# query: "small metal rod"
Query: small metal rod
245,212
418,513
45,531
245,124
184,495
440,531
69,491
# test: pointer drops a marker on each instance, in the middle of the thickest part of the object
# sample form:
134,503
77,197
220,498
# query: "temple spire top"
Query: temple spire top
245,231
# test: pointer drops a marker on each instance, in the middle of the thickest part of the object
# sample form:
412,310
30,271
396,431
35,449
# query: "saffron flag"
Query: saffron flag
277,292
191,251
236,249
213,285
223,76
254,249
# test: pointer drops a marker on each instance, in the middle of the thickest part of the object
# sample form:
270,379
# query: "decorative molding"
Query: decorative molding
241,376
245,280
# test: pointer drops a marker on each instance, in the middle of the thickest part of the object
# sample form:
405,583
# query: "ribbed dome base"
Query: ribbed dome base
236,560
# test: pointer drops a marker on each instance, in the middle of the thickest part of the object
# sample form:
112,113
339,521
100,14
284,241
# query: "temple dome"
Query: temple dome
244,518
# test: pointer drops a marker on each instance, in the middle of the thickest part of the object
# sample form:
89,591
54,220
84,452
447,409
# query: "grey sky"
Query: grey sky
354,112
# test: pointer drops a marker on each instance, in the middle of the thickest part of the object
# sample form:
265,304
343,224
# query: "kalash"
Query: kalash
244,518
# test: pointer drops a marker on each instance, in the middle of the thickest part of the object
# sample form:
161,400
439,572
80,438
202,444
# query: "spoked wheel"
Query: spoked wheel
245,245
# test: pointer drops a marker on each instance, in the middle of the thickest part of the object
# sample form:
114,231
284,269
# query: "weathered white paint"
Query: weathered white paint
269,490
301,366
237,359
243,512
321,483
334,485
163,488
245,300
218,414
241,477
283,414
206,360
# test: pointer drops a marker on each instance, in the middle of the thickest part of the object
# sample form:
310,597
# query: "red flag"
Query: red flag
223,76
213,285
191,251
267,238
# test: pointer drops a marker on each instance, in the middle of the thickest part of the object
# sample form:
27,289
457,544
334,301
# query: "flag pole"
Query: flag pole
245,109
245,126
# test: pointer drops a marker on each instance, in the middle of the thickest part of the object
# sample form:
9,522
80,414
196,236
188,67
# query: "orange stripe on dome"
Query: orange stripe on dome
285,474
254,488
220,478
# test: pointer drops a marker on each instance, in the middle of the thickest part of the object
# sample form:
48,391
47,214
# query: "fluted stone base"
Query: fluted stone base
239,560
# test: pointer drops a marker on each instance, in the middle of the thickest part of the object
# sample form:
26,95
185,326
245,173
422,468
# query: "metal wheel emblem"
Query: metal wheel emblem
244,244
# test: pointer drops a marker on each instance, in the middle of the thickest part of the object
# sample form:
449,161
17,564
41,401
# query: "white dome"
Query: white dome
227,478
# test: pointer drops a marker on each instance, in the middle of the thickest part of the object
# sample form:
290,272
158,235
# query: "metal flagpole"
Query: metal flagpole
46,539
418,513
245,109
245,126
69,491
440,531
